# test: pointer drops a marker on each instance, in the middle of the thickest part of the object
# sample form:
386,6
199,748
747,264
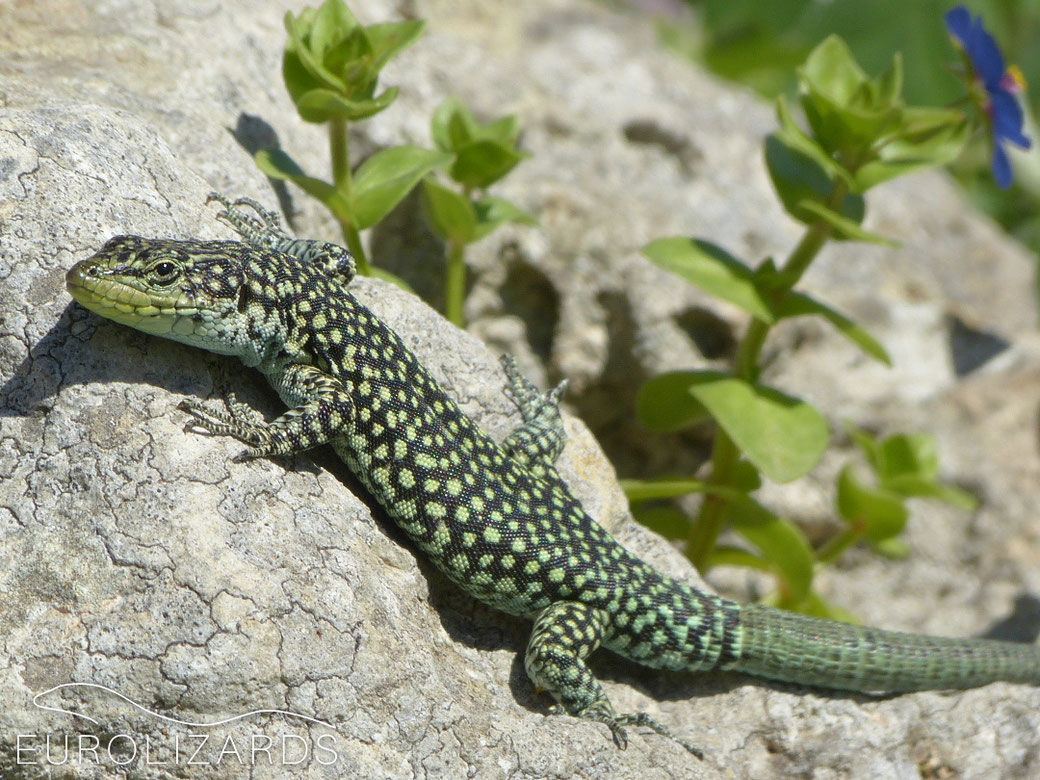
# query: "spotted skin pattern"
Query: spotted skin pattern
496,519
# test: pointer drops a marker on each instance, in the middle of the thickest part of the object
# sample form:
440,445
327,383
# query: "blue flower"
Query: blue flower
999,87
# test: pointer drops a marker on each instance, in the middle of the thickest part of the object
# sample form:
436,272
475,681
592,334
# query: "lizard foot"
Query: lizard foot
264,229
236,422
642,719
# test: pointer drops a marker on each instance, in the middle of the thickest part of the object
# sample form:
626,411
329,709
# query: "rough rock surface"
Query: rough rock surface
139,558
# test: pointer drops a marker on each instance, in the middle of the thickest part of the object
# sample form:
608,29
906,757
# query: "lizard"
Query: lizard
497,519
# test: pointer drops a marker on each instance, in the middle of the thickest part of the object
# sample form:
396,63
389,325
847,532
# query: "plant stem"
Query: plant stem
830,551
455,284
707,525
339,152
455,275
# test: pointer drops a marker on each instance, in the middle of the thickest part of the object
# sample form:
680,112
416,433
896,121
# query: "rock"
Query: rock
138,557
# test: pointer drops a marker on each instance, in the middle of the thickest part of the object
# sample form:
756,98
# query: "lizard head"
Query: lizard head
189,291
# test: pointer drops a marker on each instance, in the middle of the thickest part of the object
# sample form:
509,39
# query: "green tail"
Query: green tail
812,651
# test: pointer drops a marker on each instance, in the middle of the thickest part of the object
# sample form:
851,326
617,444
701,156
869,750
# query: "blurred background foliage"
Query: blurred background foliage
760,43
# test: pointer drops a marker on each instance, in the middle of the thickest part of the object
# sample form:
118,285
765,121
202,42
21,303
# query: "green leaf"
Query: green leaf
893,548
799,179
778,541
504,130
351,60
484,153
300,68
278,165
450,215
648,489
908,465
665,520
712,269
726,555
321,105
440,124
890,83
796,304
492,212
868,445
831,70
745,477
385,178
665,404
792,136
453,125
844,229
389,39
909,453
331,24
928,138
846,110
781,435
880,513
919,487
479,164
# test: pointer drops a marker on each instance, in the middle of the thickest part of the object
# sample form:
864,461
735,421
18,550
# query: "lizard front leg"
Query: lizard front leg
324,409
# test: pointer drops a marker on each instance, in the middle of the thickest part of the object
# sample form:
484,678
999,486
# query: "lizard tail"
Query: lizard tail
813,651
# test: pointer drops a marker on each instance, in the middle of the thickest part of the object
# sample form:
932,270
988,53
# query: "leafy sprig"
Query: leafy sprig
482,154
858,133
331,67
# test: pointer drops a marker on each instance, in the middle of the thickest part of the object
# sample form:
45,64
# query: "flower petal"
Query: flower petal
978,44
986,57
1007,119
1001,166
958,22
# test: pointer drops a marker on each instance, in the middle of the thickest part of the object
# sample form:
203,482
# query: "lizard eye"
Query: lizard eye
164,272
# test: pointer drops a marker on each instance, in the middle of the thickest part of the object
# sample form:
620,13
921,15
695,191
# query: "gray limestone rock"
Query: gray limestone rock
137,557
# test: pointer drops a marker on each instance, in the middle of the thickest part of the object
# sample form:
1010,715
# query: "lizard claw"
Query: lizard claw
619,734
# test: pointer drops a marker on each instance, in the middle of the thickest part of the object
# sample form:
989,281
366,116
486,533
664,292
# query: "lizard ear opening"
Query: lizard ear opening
244,297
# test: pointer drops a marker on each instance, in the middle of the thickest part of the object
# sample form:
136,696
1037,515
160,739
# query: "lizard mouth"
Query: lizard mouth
115,296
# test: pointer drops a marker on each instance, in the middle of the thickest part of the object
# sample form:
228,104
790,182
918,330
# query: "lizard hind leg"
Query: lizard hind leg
565,633
265,231
540,439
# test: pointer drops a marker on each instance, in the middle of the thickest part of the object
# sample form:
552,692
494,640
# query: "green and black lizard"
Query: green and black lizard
496,518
